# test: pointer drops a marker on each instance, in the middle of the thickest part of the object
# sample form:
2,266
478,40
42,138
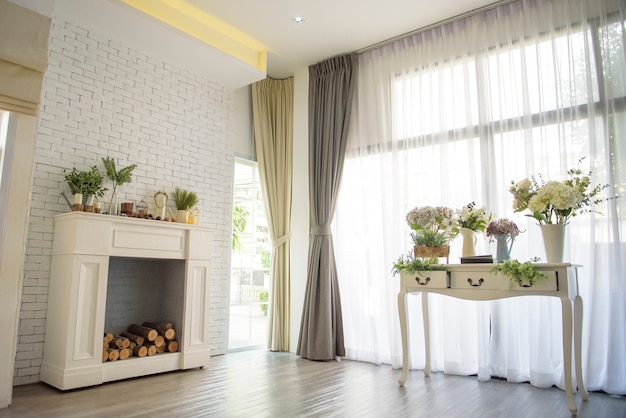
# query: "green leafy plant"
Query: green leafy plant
411,265
520,273
184,199
240,219
263,298
85,182
120,177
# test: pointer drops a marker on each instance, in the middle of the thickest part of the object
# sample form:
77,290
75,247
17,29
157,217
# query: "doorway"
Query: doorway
250,261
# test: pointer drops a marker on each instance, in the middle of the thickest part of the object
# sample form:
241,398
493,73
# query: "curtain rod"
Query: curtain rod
435,25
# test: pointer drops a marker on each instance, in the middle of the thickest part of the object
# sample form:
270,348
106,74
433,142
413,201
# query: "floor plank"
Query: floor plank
259,383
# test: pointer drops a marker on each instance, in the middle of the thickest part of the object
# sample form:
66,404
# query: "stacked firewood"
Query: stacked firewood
143,340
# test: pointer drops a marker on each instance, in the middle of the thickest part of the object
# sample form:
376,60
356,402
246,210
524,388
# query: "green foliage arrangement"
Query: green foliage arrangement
120,177
85,182
519,273
411,265
184,199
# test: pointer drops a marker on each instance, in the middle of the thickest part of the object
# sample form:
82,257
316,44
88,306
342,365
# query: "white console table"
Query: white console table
476,282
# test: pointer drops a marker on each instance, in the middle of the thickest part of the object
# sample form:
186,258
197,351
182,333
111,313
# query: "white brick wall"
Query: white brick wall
101,98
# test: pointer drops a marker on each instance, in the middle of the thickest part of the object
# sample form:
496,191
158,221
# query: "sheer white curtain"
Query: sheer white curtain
454,114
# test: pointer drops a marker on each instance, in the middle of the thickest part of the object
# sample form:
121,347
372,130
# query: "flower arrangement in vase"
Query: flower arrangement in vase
503,231
471,220
554,203
432,230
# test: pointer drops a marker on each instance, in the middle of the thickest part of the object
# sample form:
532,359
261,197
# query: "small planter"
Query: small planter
77,205
89,201
182,216
422,251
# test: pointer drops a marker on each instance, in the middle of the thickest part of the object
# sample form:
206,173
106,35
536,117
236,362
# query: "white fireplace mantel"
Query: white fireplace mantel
83,243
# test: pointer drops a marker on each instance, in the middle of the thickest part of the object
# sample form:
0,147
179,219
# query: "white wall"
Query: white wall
300,196
103,98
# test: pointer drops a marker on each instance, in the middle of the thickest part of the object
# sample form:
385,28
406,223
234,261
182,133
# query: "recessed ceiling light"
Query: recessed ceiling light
297,20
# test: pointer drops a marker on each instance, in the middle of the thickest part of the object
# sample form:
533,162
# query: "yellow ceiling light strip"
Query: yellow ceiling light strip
205,27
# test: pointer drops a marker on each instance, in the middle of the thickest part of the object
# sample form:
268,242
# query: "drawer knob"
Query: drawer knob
480,281
417,279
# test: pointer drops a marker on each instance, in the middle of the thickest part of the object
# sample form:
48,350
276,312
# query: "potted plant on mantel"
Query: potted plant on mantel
84,184
124,175
184,201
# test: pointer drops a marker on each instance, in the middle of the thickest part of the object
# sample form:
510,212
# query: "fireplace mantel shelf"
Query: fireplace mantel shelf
82,247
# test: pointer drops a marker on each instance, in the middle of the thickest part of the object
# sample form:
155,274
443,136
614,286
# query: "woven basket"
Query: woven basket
422,251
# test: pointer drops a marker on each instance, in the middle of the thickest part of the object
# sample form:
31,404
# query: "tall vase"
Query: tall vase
114,204
553,241
469,242
504,243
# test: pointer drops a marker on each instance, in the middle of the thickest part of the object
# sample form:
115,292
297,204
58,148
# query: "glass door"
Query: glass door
250,261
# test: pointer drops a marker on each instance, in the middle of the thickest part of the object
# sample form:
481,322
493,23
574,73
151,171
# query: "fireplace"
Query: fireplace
110,271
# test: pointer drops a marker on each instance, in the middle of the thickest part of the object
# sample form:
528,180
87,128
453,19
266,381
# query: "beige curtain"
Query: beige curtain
23,57
272,111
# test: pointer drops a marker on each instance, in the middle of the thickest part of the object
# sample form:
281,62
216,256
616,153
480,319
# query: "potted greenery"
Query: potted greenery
92,187
75,180
184,201
118,178
524,274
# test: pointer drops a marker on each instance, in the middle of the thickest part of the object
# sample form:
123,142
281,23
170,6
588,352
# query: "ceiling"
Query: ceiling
331,27
261,29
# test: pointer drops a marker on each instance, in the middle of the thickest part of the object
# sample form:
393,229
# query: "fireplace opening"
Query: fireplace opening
142,291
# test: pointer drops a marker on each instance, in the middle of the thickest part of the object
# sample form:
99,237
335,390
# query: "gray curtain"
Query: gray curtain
331,89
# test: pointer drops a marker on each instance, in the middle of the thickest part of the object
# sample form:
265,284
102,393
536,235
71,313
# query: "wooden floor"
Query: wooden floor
264,384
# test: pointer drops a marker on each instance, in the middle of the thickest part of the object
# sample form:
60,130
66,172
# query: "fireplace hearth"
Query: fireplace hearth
109,270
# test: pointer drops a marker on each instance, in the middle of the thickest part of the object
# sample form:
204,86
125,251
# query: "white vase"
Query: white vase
469,242
554,242
77,204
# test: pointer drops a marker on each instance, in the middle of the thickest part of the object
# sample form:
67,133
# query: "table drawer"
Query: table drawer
425,279
490,281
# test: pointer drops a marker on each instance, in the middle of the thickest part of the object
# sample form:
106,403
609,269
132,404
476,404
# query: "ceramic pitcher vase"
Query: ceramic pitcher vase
470,239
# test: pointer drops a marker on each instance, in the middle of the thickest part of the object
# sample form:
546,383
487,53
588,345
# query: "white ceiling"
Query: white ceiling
331,27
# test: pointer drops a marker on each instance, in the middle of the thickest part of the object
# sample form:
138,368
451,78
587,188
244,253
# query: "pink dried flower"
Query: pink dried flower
502,226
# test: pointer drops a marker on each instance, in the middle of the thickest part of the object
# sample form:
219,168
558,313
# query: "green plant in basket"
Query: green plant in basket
520,273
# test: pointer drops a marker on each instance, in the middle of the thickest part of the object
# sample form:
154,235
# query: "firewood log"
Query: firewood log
105,345
105,355
164,328
124,353
159,341
161,349
114,354
108,336
138,339
119,342
132,345
148,333
140,351
172,346
151,348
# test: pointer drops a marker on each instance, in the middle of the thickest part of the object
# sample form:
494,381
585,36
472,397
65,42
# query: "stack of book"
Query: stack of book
477,259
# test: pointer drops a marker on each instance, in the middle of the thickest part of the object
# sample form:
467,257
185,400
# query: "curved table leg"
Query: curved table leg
578,336
566,305
426,333
405,338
